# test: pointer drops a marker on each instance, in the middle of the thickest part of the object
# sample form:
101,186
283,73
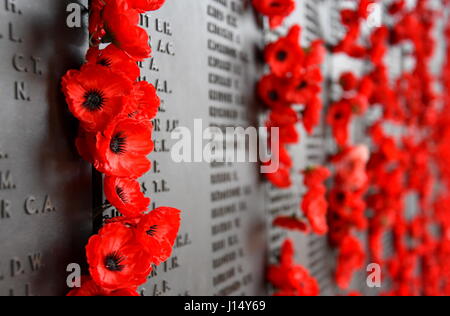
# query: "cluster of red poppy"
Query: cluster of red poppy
314,205
289,278
115,112
355,101
414,162
346,213
295,78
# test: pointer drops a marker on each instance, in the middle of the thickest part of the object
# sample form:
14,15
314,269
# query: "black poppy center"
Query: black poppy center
302,85
275,4
121,193
282,55
273,95
94,100
118,144
105,62
340,197
113,262
338,116
152,230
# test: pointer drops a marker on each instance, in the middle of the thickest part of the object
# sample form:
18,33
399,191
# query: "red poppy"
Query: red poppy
121,25
285,56
305,87
397,6
90,288
125,195
349,17
95,95
283,116
363,8
316,54
351,258
285,157
96,29
339,116
358,103
366,87
315,209
291,223
349,44
311,114
114,59
292,278
144,103
288,134
315,176
122,149
280,178
156,233
85,144
348,81
146,5
276,10
271,90
115,260
314,203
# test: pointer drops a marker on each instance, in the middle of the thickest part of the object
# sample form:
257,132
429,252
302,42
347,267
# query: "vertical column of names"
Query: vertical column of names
228,105
157,183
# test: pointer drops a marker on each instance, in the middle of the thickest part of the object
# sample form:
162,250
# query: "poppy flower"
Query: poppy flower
114,59
366,87
291,223
305,87
283,116
271,90
280,178
350,258
358,103
90,288
144,103
291,278
156,233
285,56
96,26
351,167
314,177
315,54
125,195
339,116
115,260
348,81
314,203
95,95
146,5
276,10
122,149
315,209
312,114
396,7
288,133
349,17
85,143
121,25
363,8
